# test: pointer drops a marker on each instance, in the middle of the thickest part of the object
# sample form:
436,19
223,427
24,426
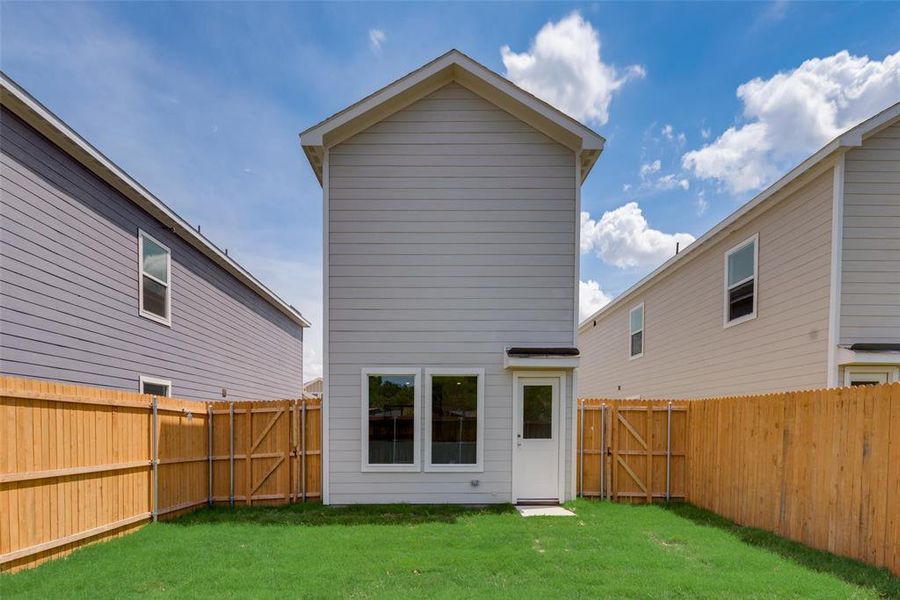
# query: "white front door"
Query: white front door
536,419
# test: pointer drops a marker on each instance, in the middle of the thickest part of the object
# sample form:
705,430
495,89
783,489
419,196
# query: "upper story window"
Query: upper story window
741,290
636,331
155,279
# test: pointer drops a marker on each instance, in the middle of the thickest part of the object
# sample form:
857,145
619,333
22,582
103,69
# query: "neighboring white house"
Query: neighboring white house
451,225
313,388
799,288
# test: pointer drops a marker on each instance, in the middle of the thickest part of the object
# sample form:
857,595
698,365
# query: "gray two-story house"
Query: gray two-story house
451,202
102,284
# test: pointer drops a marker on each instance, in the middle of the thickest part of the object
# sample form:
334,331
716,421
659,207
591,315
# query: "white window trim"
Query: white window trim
365,466
852,371
641,330
478,467
167,320
754,239
154,380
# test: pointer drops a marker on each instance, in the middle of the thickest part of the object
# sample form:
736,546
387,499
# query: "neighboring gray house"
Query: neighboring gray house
798,289
451,225
102,284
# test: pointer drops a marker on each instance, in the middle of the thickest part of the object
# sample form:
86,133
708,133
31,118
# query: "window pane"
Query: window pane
740,300
637,319
537,412
154,389
637,343
454,419
155,298
155,260
391,419
740,264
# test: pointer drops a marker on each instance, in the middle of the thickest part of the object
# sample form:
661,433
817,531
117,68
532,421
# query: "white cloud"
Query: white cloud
663,182
702,203
590,298
623,238
376,38
670,134
705,133
626,187
671,181
564,67
648,169
794,113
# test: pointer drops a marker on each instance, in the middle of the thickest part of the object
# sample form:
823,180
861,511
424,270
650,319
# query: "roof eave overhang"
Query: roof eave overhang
27,108
452,66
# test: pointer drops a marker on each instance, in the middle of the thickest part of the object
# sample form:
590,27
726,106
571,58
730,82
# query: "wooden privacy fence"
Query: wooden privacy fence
79,464
631,451
821,467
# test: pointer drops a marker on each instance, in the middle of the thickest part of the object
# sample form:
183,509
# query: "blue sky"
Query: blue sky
203,102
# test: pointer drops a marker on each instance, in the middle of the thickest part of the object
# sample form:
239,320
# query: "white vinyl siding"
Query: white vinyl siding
870,269
693,355
452,235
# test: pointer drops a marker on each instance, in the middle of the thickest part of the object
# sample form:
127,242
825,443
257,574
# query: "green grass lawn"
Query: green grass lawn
608,550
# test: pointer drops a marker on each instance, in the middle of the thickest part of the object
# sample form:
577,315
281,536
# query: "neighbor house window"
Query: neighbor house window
155,279
156,387
455,426
390,429
870,375
636,331
741,287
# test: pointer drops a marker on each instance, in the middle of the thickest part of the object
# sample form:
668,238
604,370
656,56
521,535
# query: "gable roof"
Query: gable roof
38,116
452,66
851,138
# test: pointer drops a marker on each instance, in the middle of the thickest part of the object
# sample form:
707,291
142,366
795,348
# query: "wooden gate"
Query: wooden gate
266,452
631,451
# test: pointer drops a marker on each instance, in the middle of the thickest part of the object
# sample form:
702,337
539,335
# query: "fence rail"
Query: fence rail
821,467
79,464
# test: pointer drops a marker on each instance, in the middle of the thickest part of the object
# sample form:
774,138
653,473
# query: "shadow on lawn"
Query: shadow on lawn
847,569
317,514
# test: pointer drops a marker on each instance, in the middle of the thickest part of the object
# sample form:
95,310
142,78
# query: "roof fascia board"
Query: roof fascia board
315,135
385,109
22,104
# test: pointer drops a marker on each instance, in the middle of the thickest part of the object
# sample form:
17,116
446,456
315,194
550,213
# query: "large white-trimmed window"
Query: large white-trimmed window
454,421
636,331
155,386
155,273
391,417
741,286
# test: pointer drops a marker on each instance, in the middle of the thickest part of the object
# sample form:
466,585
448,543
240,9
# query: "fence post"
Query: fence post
209,452
231,454
602,450
303,448
668,451
154,450
581,454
